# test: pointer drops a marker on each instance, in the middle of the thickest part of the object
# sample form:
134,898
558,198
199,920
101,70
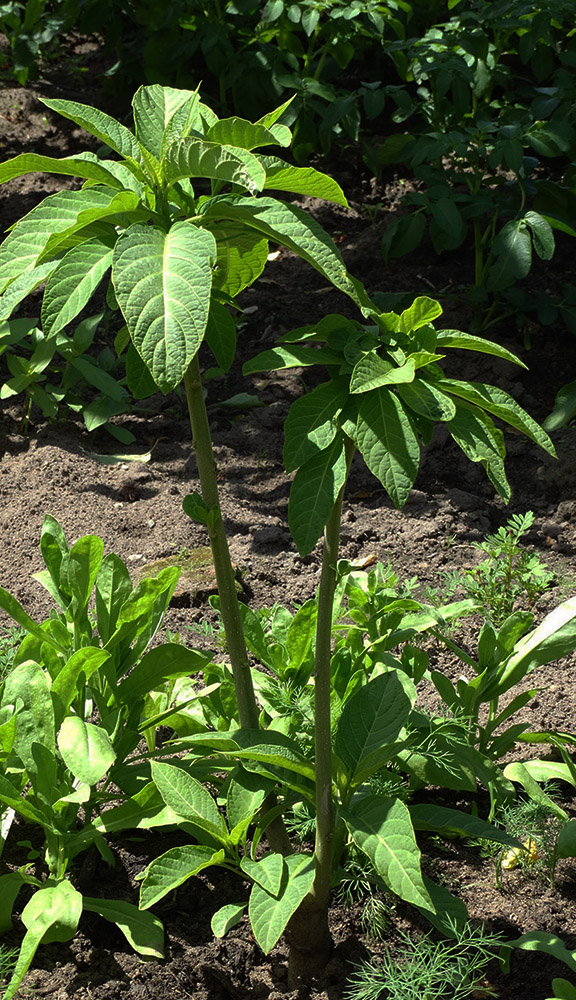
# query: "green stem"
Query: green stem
226,581
309,934
225,578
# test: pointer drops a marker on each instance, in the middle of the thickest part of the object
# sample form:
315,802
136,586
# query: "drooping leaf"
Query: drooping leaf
467,342
313,493
72,284
381,827
162,282
173,868
293,228
501,405
142,930
440,819
481,442
221,334
388,442
312,422
269,913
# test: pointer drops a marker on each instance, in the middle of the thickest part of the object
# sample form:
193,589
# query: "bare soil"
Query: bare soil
137,509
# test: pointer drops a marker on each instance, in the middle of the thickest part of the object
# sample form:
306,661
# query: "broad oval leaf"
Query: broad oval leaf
71,286
173,868
372,371
86,749
313,493
162,282
372,719
312,422
382,828
388,442
193,157
87,165
188,797
241,133
269,913
468,342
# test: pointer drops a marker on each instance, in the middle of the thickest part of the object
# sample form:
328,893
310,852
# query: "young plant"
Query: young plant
510,577
73,710
505,657
177,254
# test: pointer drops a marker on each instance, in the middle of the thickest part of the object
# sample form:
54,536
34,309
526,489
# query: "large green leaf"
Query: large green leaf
188,797
439,819
481,442
86,165
388,442
382,828
467,342
86,749
123,210
513,248
293,228
162,283
82,568
241,257
270,913
499,403
427,400
193,157
313,493
71,286
162,115
51,915
281,176
30,684
142,930
268,872
22,286
422,311
103,126
60,212
312,422
221,334
371,721
170,660
242,133
173,868
372,371
77,669
553,639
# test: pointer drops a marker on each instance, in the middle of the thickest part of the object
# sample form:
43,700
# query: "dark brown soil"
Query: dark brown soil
136,509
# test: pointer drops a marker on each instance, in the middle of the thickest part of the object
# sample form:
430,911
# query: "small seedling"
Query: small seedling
510,577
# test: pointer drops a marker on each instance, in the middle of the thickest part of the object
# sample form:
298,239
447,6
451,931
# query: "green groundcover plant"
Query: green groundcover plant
180,221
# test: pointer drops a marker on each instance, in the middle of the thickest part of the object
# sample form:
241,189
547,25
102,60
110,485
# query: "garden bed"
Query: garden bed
135,506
